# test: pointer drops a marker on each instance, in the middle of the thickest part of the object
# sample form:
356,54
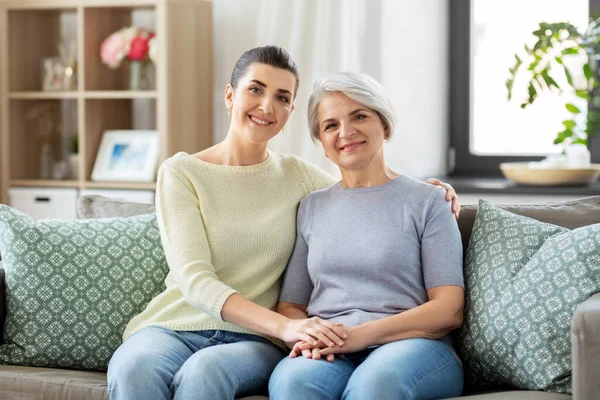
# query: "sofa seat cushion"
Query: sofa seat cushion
516,394
29,383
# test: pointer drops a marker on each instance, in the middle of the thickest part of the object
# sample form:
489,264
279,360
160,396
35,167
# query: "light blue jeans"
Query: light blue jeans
158,363
406,369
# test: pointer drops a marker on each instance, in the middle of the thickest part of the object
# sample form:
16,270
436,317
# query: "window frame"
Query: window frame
463,163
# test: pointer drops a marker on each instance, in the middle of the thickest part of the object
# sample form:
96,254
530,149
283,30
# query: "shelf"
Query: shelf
44,183
100,99
43,95
50,4
119,94
86,184
120,185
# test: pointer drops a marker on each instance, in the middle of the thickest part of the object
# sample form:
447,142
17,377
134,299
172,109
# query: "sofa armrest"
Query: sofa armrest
2,303
585,349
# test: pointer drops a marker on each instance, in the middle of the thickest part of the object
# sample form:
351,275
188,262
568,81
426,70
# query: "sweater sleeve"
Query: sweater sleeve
297,285
185,244
318,178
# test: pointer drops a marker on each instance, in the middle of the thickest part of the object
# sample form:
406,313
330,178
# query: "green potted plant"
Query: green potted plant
557,44
74,157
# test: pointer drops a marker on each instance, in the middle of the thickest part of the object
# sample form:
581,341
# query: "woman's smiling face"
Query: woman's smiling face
352,134
262,102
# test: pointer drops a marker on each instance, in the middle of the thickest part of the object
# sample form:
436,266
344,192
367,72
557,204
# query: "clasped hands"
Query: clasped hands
327,340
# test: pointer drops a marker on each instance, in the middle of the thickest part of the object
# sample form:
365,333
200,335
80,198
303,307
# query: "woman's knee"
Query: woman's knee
148,355
412,369
293,372
309,379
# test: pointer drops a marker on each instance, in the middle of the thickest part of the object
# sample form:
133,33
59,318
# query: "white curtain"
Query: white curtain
402,44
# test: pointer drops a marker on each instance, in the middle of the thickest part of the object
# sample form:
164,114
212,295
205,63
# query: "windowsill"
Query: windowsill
504,186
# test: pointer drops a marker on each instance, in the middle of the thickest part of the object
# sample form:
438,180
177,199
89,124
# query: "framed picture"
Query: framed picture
127,155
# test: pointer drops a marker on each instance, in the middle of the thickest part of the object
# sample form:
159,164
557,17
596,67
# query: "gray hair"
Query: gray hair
358,86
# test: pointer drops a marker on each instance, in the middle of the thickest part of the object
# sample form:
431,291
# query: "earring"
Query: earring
229,112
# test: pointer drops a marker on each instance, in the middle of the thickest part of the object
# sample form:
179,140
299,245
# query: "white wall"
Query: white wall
405,47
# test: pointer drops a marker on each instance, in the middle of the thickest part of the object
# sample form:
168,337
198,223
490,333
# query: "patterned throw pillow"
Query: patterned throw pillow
73,285
523,281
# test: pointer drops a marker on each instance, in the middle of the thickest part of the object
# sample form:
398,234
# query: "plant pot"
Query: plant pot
74,166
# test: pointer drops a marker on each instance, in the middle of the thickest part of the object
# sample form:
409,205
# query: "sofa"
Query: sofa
18,382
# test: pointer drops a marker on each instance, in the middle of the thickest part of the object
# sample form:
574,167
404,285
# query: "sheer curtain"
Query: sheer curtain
401,44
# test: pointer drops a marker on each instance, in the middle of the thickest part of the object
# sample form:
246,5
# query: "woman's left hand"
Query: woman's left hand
450,194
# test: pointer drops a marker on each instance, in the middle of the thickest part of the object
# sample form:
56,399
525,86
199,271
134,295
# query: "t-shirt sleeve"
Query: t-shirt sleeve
319,178
297,286
185,244
441,245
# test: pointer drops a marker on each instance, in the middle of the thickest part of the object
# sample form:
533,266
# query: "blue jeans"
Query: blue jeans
158,363
406,369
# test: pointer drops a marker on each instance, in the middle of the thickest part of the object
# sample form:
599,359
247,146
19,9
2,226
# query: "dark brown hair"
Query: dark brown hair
274,56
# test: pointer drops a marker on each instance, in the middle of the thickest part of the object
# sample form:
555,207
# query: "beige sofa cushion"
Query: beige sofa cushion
517,395
29,383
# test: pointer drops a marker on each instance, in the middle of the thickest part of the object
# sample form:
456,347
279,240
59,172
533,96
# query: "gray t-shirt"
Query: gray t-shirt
363,254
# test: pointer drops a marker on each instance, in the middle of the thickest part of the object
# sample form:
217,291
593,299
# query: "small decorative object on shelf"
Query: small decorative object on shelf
45,115
127,155
59,73
139,46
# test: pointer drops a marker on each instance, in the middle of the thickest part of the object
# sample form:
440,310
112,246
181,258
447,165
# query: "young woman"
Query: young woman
227,218
378,252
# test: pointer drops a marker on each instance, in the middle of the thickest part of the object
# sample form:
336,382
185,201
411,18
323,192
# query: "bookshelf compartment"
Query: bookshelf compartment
34,35
109,114
100,23
33,123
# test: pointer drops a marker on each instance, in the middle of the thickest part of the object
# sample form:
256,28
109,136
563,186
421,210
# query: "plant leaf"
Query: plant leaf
558,60
532,93
572,108
587,71
569,124
570,50
580,141
548,79
582,94
568,75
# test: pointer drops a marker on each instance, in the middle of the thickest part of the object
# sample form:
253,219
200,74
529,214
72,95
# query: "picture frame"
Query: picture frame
127,156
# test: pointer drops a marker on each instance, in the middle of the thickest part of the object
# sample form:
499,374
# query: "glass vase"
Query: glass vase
139,78
46,161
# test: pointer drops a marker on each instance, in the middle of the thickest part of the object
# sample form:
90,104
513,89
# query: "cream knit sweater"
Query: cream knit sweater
225,229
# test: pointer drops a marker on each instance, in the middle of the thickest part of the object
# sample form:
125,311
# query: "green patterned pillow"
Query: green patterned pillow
73,285
523,281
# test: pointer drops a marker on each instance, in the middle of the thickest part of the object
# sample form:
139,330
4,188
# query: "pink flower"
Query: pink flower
129,42
114,49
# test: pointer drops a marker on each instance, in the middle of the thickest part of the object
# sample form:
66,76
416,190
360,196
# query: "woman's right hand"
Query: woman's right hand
313,353
312,330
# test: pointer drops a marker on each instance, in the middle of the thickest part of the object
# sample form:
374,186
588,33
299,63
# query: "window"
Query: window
486,128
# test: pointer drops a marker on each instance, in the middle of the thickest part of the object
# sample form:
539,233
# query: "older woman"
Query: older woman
378,252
